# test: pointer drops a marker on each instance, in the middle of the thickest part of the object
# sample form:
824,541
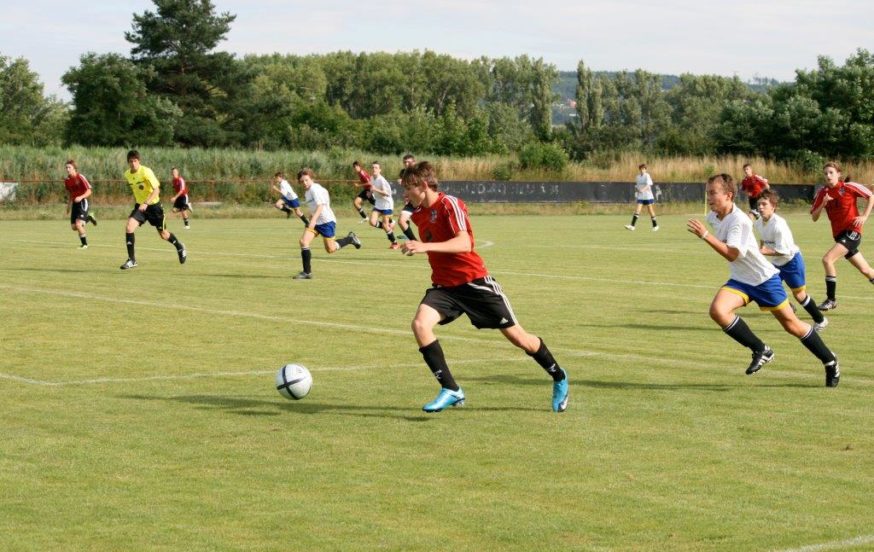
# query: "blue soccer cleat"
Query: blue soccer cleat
445,399
560,393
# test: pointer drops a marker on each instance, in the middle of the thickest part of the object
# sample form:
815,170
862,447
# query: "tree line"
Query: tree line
176,89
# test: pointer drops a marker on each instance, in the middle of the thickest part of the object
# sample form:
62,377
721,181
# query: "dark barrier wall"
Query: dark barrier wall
594,192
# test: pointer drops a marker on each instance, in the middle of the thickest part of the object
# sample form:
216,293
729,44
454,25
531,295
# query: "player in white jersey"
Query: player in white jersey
383,205
643,193
751,277
778,245
288,202
322,223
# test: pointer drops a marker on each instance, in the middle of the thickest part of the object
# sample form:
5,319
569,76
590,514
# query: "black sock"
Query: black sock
815,345
740,332
306,221
831,286
544,359
408,232
84,239
176,243
343,242
129,240
185,221
435,360
307,256
391,236
285,209
633,220
362,213
810,306
654,223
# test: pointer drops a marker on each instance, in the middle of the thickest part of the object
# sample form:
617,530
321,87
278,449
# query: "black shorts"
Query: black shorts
367,195
408,207
154,214
754,204
851,240
483,301
80,211
181,203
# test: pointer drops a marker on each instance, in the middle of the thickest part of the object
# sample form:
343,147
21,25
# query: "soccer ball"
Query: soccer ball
293,381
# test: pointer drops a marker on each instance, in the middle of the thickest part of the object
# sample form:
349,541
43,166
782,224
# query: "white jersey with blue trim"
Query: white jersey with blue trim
775,234
736,230
382,202
318,195
286,190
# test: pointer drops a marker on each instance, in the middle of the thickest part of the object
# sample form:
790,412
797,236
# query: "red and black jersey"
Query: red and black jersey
442,221
179,186
77,185
364,178
753,185
842,209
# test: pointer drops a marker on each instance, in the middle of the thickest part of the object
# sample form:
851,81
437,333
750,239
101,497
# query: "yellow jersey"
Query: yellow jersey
142,183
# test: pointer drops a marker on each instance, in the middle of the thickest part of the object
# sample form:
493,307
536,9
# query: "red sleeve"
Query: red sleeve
84,181
858,190
183,186
817,201
456,214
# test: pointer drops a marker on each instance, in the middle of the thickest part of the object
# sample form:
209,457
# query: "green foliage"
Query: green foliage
547,156
26,116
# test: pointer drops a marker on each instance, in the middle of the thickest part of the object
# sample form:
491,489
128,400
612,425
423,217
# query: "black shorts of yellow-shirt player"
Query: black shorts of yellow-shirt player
154,214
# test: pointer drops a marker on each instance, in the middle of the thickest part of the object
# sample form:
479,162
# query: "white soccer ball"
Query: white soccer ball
293,381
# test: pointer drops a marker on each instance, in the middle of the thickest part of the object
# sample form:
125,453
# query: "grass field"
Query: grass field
139,411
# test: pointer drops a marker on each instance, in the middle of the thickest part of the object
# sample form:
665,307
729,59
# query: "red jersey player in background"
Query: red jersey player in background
366,194
838,198
462,285
80,190
181,202
753,185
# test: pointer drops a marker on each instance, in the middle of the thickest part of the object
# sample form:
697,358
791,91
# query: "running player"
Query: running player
778,245
288,202
383,206
643,192
461,285
181,202
407,210
147,191
322,223
80,190
753,185
838,198
752,277
365,194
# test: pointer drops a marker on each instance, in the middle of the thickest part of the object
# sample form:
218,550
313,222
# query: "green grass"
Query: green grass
139,411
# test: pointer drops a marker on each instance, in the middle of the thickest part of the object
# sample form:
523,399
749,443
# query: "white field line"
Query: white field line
834,545
173,377
539,275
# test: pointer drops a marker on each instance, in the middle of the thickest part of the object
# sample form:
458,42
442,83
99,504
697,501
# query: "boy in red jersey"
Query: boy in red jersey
80,190
365,194
838,198
181,202
753,185
461,285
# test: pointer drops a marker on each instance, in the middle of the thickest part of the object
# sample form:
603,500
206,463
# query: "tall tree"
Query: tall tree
26,116
178,41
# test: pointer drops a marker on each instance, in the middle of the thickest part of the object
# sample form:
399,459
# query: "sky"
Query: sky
746,38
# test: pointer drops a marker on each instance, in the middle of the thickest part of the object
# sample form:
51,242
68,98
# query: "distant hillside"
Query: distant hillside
566,88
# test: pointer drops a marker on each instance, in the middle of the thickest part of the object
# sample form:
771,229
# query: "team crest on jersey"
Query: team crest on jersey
433,215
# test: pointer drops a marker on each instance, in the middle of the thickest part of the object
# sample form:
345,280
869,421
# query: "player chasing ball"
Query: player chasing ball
80,190
752,278
461,285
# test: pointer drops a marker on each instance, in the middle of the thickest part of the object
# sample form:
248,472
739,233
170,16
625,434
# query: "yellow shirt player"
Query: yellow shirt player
147,192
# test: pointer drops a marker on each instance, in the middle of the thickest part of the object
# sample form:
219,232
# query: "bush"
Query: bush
543,156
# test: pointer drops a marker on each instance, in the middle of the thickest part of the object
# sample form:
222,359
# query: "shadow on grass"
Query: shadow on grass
255,407
648,327
623,385
61,270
